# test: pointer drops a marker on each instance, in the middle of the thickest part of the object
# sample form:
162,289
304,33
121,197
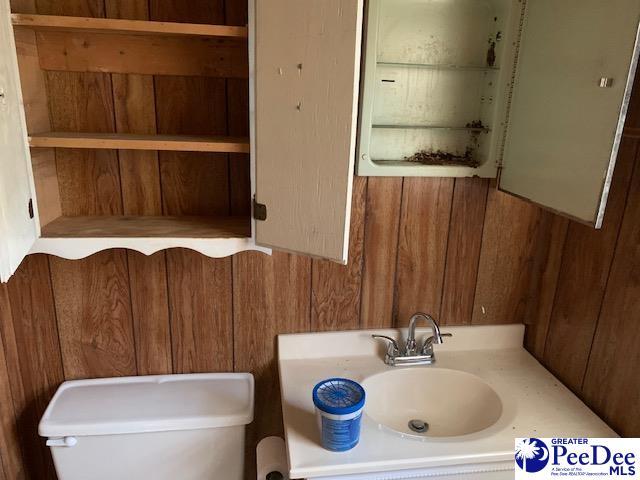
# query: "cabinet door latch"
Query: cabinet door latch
259,211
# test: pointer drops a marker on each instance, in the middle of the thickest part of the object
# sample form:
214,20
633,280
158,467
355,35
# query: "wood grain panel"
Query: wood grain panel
335,295
33,356
193,183
128,10
34,95
201,312
89,180
270,296
506,259
612,385
463,250
194,11
77,8
134,102
93,307
384,197
13,465
585,268
542,288
150,312
422,244
23,6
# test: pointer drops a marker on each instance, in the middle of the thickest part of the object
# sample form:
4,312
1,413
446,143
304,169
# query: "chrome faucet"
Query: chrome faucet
411,354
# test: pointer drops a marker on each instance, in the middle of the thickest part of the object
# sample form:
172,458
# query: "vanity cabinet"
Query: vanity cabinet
534,92
298,60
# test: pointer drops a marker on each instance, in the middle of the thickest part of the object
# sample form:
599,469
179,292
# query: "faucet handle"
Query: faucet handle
392,343
427,346
439,340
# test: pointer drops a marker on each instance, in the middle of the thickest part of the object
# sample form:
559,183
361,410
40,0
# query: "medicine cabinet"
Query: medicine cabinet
534,92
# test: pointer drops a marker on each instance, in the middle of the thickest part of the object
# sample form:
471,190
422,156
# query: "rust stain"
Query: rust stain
491,54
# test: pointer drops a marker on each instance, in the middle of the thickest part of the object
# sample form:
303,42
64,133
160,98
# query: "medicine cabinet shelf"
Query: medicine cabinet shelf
433,66
434,127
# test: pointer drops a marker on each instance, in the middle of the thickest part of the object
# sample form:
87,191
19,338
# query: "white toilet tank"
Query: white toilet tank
187,427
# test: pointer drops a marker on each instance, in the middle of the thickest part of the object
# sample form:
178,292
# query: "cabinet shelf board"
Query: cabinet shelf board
148,227
132,27
432,66
140,142
90,51
433,127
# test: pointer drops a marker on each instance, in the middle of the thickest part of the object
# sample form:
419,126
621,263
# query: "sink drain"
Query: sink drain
418,426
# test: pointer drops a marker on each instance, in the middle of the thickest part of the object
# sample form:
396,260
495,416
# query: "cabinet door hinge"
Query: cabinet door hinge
30,208
259,211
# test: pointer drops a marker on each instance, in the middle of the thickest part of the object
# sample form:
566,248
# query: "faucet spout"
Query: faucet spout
411,337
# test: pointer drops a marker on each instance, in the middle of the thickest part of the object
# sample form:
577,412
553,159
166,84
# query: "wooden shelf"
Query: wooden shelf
140,142
148,227
131,27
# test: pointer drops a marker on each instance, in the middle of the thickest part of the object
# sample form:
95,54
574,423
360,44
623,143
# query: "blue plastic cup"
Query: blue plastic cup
339,403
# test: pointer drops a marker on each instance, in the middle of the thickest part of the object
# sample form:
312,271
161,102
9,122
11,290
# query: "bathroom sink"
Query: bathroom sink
431,402
483,391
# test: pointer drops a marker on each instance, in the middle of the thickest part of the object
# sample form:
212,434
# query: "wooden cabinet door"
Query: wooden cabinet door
573,81
18,227
306,74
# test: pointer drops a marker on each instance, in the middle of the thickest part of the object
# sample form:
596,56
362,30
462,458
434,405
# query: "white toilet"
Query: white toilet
187,427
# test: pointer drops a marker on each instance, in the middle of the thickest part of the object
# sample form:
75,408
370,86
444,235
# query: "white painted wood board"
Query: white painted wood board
564,129
18,232
307,61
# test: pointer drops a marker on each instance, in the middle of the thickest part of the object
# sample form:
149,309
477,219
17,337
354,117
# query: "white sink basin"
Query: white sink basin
451,402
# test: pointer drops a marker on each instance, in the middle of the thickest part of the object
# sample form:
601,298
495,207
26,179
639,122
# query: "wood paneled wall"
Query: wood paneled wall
456,248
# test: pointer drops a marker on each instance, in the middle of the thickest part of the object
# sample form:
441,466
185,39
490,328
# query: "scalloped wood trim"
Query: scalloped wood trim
76,248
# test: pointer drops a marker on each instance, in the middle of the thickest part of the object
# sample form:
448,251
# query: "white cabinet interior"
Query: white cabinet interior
532,92
437,79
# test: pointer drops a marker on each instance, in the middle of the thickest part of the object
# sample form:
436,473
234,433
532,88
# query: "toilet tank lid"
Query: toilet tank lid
149,404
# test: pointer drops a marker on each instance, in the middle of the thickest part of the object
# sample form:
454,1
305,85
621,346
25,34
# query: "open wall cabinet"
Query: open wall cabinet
534,92
286,157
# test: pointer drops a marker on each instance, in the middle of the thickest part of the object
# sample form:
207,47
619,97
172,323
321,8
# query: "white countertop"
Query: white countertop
535,403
